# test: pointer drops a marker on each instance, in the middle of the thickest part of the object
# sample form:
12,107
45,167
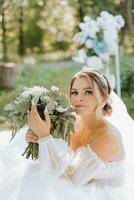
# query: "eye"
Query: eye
88,92
74,93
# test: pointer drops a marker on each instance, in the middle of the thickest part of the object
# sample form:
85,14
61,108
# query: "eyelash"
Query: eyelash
86,92
74,93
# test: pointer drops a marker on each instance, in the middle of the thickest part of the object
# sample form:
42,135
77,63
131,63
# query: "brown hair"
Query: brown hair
101,81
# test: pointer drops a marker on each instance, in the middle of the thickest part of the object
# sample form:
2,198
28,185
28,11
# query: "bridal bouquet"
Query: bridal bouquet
61,114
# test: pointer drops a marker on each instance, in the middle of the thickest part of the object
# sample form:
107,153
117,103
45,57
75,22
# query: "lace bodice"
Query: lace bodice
81,167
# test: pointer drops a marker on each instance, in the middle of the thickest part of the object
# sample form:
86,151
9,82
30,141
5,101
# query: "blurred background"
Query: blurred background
37,45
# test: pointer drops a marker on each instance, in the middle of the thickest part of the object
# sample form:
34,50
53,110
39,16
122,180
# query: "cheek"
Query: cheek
92,103
72,100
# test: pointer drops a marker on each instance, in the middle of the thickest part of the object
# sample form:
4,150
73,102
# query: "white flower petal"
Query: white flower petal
54,88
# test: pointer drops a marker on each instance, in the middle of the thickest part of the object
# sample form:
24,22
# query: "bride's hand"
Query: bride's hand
40,127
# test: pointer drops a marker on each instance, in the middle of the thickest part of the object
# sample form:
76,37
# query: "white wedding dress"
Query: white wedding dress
62,174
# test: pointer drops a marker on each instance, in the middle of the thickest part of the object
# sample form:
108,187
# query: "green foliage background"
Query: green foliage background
42,26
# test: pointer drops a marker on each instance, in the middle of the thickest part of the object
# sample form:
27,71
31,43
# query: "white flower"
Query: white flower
105,20
92,28
78,36
119,22
81,56
89,44
88,29
111,38
81,37
61,109
82,26
35,91
94,62
87,18
54,88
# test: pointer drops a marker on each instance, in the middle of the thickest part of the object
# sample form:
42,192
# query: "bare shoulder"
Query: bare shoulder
108,144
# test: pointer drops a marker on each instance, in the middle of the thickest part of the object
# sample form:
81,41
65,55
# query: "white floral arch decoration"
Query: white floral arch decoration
99,40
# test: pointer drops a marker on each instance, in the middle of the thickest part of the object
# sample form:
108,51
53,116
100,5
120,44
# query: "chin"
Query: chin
79,112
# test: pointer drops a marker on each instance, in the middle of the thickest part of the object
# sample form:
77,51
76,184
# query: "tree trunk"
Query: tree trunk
81,14
7,75
4,41
126,9
21,48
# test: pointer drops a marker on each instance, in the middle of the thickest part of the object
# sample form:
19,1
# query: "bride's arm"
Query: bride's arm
54,154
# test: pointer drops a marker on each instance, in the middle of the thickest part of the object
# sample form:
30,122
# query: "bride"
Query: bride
93,166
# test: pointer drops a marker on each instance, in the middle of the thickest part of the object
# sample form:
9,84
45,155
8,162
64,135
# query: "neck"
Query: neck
92,122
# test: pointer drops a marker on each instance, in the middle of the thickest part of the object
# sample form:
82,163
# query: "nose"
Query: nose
79,98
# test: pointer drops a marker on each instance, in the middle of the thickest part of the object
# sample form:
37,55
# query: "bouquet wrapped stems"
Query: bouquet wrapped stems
32,150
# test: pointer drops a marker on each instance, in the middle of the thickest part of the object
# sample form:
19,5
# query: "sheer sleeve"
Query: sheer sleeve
79,167
85,166
54,155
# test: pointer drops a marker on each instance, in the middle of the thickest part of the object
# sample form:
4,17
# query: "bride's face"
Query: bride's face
84,97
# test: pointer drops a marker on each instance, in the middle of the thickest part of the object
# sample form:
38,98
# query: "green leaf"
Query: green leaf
51,106
35,99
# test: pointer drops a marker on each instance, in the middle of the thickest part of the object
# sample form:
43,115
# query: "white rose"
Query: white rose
36,90
54,88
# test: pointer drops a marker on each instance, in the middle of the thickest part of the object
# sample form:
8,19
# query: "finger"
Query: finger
34,108
47,117
31,134
34,113
31,137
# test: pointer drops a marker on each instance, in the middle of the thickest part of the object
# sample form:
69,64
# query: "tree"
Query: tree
33,32
126,10
3,6
57,22
21,48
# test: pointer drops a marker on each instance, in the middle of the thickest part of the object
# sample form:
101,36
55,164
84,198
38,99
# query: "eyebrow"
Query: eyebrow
83,88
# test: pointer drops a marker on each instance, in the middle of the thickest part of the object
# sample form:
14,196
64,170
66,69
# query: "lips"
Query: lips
80,106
